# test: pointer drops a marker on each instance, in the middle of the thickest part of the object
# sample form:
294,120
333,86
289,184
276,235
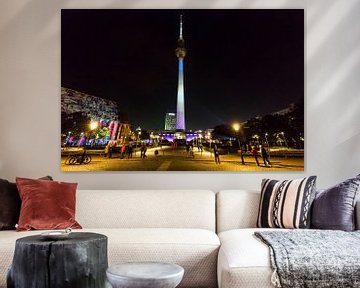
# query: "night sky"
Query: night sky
239,63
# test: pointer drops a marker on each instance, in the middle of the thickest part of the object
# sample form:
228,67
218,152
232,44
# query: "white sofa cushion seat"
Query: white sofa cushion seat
243,261
196,250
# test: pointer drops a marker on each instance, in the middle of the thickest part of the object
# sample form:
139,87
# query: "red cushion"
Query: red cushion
46,204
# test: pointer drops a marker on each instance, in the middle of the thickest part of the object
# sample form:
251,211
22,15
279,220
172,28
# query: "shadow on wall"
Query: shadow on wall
329,38
333,62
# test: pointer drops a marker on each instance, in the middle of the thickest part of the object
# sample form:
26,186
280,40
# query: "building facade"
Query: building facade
170,121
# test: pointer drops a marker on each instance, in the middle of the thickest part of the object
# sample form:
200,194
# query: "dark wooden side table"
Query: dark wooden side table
78,261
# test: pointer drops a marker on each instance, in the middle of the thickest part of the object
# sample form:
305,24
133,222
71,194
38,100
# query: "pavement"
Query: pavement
176,159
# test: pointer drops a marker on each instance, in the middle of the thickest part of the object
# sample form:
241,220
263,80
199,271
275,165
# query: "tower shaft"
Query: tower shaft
180,108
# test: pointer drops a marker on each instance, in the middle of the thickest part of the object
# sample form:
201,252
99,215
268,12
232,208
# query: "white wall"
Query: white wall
30,94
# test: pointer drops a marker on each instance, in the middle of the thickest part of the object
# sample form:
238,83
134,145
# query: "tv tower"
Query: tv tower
180,108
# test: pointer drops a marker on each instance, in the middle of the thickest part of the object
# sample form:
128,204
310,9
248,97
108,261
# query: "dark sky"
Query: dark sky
240,63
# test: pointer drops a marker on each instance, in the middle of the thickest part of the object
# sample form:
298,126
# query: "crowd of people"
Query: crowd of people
126,151
254,150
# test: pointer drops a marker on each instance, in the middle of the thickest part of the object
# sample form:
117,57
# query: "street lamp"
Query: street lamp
236,127
256,137
283,134
266,139
93,125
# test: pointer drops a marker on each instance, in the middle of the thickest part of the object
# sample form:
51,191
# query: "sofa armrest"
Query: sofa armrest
357,215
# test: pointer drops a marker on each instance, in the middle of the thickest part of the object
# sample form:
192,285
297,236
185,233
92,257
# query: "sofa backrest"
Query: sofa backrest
239,209
146,209
236,209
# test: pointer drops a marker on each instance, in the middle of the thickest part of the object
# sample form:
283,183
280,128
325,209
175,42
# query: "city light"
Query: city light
266,139
93,125
236,126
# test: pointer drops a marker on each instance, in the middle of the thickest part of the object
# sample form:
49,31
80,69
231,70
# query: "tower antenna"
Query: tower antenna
181,28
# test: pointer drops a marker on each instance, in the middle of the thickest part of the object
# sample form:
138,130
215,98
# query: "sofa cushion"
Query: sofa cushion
196,250
244,260
286,204
334,208
46,204
10,204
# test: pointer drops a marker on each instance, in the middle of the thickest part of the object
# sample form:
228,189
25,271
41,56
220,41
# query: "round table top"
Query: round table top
73,237
146,270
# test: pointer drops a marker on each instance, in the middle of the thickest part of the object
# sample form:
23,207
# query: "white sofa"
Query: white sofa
243,261
175,226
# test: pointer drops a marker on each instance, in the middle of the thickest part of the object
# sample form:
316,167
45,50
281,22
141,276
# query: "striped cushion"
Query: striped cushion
286,204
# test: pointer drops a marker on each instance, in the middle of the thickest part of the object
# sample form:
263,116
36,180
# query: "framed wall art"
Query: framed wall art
182,90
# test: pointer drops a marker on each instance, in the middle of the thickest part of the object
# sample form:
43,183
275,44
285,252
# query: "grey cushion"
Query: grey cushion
9,205
334,208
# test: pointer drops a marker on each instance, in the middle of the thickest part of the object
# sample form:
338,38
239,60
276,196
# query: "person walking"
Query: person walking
110,149
216,154
122,151
242,154
191,151
265,156
130,150
254,152
142,149
187,149
145,149
106,150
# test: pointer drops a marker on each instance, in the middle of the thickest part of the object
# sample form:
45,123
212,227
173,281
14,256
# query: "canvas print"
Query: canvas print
182,90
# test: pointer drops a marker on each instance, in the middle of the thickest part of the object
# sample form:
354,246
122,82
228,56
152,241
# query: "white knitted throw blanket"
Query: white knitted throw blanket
313,258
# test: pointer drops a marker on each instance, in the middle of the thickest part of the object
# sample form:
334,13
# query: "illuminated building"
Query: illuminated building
89,106
80,110
180,108
170,121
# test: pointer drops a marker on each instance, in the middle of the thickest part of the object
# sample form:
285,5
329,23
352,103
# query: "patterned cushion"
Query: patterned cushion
286,204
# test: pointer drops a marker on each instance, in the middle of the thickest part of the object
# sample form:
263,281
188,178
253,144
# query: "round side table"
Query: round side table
145,275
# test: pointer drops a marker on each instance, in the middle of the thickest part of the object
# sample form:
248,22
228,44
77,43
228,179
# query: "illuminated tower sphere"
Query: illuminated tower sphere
180,110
